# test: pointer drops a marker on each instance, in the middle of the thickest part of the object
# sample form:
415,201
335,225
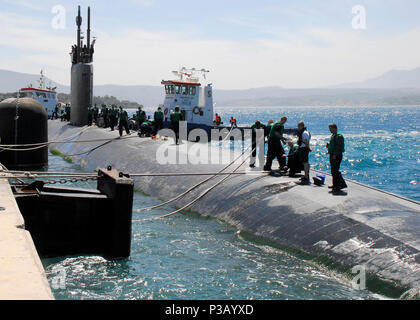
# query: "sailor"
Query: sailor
140,117
113,113
67,109
123,121
63,115
55,113
335,150
293,163
104,113
158,117
175,118
268,127
275,149
218,120
304,139
146,128
95,114
90,115
256,126
233,122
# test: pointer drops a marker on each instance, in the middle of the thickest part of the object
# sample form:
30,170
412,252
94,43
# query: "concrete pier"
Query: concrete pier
22,275
367,227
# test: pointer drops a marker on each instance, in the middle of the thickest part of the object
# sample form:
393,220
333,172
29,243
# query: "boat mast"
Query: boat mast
88,31
79,24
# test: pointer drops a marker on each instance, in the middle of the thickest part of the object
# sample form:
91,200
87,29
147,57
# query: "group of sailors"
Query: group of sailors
148,127
297,159
218,121
114,116
61,113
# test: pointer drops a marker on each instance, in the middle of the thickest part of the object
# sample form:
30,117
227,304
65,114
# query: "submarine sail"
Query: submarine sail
81,75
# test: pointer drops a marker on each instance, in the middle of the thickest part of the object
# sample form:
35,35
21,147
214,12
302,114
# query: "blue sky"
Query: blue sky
307,43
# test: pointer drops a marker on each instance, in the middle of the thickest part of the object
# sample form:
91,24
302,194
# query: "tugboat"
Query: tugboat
194,100
47,96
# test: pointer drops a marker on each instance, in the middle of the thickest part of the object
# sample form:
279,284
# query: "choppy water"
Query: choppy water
382,143
190,257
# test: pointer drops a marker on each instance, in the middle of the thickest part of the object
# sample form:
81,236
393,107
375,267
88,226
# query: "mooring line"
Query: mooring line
31,175
199,197
3,167
15,147
193,187
231,129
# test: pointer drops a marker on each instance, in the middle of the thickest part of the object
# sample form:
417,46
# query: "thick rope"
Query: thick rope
199,197
14,147
193,187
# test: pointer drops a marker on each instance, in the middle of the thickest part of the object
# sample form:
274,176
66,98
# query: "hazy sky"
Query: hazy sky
293,44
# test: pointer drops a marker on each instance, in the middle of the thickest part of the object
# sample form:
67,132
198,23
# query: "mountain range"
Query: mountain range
391,79
396,87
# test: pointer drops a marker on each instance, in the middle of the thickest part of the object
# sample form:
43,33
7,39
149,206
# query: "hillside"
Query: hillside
65,98
11,81
391,79
392,88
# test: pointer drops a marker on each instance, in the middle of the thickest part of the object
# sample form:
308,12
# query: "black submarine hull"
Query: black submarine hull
367,227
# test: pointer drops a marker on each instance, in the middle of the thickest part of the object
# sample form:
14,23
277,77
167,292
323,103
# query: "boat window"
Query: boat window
172,89
184,90
192,91
177,89
167,89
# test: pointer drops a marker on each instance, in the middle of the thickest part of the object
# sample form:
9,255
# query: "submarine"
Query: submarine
377,230
366,228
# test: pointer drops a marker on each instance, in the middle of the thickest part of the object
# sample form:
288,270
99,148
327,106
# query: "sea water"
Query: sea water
190,257
382,143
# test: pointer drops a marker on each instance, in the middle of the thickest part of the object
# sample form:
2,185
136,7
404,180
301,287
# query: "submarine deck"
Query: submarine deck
366,226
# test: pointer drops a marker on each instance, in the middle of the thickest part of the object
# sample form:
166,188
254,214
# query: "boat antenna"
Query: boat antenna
88,30
79,24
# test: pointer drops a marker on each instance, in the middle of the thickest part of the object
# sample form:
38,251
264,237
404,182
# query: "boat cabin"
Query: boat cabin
45,95
194,100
